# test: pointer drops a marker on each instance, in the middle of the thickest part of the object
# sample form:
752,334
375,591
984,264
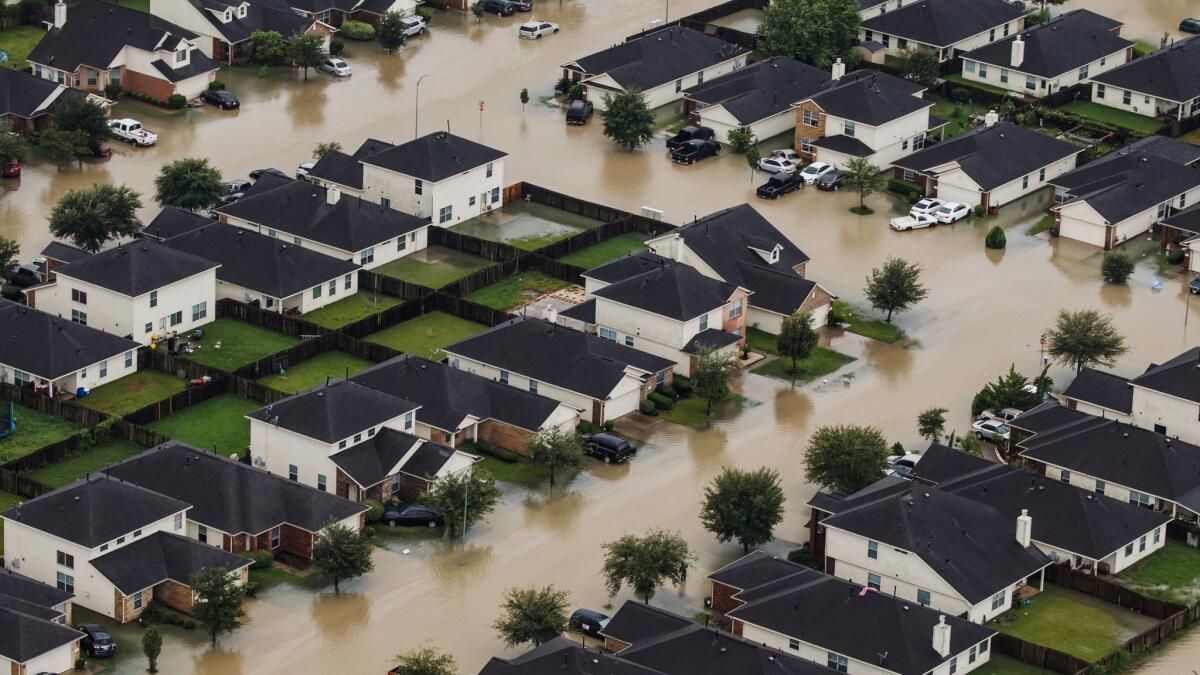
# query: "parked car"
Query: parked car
225,100
336,67
906,223
230,198
695,150
236,185
926,207
814,171
99,149
11,169
523,5
259,173
609,448
689,133
414,514
990,430
96,642
830,181
534,30
1190,26
500,7
1005,415
579,112
303,169
414,25
779,185
589,622
777,165
951,212
902,465
788,154
24,276
132,131
1194,286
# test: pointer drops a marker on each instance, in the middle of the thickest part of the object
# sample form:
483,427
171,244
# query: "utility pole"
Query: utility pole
417,110
481,120
462,556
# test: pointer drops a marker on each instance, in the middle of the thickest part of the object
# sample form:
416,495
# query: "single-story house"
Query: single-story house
1165,83
225,26
26,102
944,27
56,255
32,645
1184,227
334,12
758,97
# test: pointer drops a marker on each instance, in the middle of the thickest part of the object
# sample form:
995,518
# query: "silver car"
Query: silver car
336,67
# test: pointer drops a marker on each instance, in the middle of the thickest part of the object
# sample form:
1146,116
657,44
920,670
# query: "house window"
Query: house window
78,296
806,145
418,186
700,77
293,472
137,533
504,377
904,144
923,597
998,599
901,43
703,322
1140,499
321,482
346,282
793,643
1024,182
1064,477
1127,97
953,665
992,35
129,359
872,549
177,318
495,195
918,142
181,56
1099,91
149,326
848,128
1005,29
83,373
1103,59
178,521
199,311
385,202
870,35
341,445
1157,534
367,256
968,66
65,559
402,242
735,310
120,540
1042,175
909,175
983,71
202,534
488,171
983,647
275,537
1030,82
333,287
370,432
533,386
64,582
1129,549
628,340
660,377
885,40
1099,487
837,662
971,655
1004,75
873,581
357,438
678,86
608,334
1142,544
137,600
395,483
1182,200
1083,72
154,298
471,200
272,233
104,369
316,292
810,117
103,548
446,213
91,78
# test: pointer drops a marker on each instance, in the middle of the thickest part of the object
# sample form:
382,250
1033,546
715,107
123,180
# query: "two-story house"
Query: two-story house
1165,83
1061,53
114,545
98,43
225,26
142,290
943,27
758,97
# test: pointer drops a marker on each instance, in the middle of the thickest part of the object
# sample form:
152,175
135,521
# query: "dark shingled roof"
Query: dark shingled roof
51,347
38,611
63,252
333,412
707,651
136,268
847,145
674,290
1059,46
231,496
448,395
636,621
1049,416
172,222
1187,220
1179,377
23,94
24,637
434,157
30,591
94,510
942,23
1127,183
561,656
302,209
755,569
713,338
992,156
1172,73
762,89
261,15
627,266
198,64
1162,146
159,557
567,358
1103,389
656,58
338,167
372,461
584,311
871,97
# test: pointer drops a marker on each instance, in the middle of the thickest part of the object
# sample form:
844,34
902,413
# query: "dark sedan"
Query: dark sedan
225,100
1190,26
589,622
830,181
779,185
259,173
413,515
695,150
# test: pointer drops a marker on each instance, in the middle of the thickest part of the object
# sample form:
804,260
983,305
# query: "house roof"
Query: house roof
261,15
762,89
1059,46
231,496
25,95
29,608
94,510
63,252
1127,183
389,452
434,157
1103,389
636,621
261,263
1179,377
713,338
24,637
992,156
302,209
870,97
338,167
95,33
334,411
159,557
656,58
198,64
51,347
172,221
30,591
1187,220
136,268
1050,416
672,290
695,650
1163,146
1172,73
756,569
567,358
448,395
561,656
942,23
584,311
847,145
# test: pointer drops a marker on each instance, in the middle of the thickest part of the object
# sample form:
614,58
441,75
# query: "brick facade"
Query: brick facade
296,541
123,605
722,598
614,646
818,298
175,595
505,436
808,132
153,87
736,324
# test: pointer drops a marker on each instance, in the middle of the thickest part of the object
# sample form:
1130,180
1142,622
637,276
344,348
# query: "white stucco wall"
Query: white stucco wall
895,46
1017,80
1180,416
456,192
669,92
1096,410
1111,489
1142,104
382,253
99,373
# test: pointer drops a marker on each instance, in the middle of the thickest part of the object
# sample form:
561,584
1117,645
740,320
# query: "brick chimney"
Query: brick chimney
1024,528
1018,52
941,637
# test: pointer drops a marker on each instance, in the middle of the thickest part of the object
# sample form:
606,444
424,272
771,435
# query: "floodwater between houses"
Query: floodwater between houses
984,312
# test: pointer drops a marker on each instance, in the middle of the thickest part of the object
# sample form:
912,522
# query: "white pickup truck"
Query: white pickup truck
132,131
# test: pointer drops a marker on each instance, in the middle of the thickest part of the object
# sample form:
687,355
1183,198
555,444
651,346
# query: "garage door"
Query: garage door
622,405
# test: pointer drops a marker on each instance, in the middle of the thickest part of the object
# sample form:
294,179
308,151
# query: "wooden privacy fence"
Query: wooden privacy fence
22,486
483,248
397,288
172,364
195,394
68,410
228,308
387,318
1038,656
1063,575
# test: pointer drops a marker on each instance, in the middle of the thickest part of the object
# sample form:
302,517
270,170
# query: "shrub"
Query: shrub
496,452
112,90
898,448
575,92
1175,256
216,85
682,384
1117,267
262,559
667,390
374,510
802,556
835,317
80,664
562,85
960,94
368,532
357,30
647,408
996,238
661,402
425,13
609,425
177,101
586,428
978,211
336,47
902,188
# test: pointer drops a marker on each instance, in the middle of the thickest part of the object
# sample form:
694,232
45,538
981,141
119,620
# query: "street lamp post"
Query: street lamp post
417,107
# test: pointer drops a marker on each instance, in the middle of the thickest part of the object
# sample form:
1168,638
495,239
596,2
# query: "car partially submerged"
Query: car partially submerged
917,222
695,150
689,133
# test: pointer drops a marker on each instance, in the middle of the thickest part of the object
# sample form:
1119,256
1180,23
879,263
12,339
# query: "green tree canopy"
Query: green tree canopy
218,601
307,51
816,31
9,250
741,139
895,287
268,46
1117,267
644,563
91,216
1084,338
743,505
152,647
341,553
391,32
524,98
532,615
864,178
556,449
797,337
846,458
931,424
78,113
1008,391
627,119
425,660
61,146
477,490
710,379
13,147
920,66
324,148
190,183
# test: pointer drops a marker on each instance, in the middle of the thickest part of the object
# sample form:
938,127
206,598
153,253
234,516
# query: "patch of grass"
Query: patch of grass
1000,664
7,501
1059,621
274,576
762,341
607,251
690,411
427,334
1142,48
1172,574
312,372
517,290
856,322
241,343
1192,137
523,472
218,425
533,242
139,5
961,81
18,41
133,392
436,273
1107,115
34,431
944,108
354,308
73,468
822,361
1044,224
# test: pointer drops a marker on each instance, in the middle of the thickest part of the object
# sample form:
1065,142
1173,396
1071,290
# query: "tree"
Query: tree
556,449
895,287
627,119
324,148
478,490
91,216
741,140
391,32
931,424
816,31
1008,391
1084,338
189,183
9,250
426,660
845,458
13,147
643,563
307,51
752,158
477,10
61,146
920,66
1117,267
797,338
524,99
864,178
152,646
995,238
341,553
267,46
77,113
711,379
743,505
532,615
218,601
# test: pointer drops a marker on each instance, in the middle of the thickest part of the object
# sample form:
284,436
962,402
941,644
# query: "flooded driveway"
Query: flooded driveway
985,311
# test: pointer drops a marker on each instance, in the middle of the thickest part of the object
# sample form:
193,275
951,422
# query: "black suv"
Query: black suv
609,448
579,112
779,185
413,515
499,7
225,100
95,641
689,134
695,150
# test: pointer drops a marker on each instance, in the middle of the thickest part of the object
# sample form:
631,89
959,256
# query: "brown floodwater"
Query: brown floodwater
985,311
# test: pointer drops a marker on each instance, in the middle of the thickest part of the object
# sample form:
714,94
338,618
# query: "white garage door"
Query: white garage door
622,405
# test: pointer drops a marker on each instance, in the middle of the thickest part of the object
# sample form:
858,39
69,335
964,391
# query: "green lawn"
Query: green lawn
94,459
517,290
1172,574
857,322
1000,664
354,308
140,5
1059,620
690,411
18,41
1042,225
961,81
532,242
219,424
607,251
946,109
434,267
241,343
34,431
312,372
7,501
822,361
1120,118
133,392
427,334
523,472
761,341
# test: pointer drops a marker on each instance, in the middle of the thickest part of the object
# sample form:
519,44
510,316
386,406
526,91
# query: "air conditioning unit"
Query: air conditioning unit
259,461
15,564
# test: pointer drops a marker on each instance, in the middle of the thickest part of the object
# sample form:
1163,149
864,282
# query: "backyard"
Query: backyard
1120,118
17,42
93,459
132,392
525,226
957,114
426,335
354,308
1072,622
998,664
1172,574
239,343
314,371
218,424
34,431
691,411
434,267
607,251
517,290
